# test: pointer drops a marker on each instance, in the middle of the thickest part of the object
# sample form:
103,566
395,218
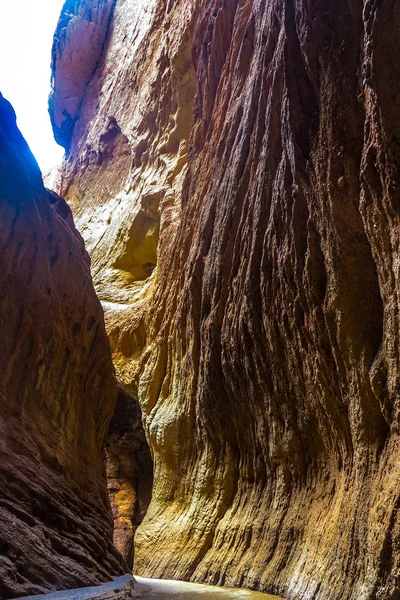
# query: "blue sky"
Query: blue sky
26,33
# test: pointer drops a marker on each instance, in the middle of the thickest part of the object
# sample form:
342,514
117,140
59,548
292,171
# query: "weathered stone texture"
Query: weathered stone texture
57,389
235,173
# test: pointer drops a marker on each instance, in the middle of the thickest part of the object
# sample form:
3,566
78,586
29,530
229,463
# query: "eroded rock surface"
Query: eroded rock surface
57,389
234,169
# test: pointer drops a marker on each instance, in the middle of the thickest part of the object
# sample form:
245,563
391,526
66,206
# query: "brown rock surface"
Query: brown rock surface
235,174
57,389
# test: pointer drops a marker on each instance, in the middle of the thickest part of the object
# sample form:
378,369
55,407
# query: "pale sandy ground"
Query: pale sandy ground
154,589
122,588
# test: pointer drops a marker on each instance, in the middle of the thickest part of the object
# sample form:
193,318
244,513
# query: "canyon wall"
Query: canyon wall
233,166
57,389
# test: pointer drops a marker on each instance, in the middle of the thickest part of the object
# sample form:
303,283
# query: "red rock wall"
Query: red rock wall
57,390
255,145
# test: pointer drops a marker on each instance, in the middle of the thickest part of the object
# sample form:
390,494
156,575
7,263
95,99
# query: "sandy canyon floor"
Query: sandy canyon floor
154,589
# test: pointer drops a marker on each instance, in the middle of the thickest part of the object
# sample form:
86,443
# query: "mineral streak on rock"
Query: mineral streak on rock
234,169
57,389
129,472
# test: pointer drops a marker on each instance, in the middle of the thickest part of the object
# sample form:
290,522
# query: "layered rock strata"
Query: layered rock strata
57,389
234,168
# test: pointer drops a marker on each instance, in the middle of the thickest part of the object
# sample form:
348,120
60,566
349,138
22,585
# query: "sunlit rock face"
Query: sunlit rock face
234,170
80,38
57,389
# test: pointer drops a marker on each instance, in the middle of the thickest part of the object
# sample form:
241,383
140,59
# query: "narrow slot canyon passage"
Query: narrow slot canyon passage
199,307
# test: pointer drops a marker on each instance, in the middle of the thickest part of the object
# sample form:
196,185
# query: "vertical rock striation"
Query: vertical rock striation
57,389
234,168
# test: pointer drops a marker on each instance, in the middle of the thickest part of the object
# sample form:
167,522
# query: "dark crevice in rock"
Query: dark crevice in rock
129,472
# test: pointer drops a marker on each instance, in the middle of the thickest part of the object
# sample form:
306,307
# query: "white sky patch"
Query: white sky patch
26,35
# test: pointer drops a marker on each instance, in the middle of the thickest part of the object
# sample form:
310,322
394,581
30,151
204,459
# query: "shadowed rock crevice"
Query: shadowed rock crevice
129,472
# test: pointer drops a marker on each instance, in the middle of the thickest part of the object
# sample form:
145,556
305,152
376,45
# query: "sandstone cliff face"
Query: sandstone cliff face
234,169
57,389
